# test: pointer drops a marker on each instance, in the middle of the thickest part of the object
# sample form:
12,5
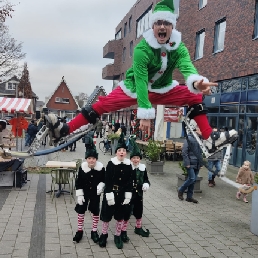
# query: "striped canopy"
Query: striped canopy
16,105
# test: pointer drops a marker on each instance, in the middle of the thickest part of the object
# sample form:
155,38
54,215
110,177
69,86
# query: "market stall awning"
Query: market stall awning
16,105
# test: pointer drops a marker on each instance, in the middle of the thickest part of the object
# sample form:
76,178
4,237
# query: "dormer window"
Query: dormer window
62,100
11,86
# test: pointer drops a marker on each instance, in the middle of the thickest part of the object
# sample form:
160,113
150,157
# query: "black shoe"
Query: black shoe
141,232
213,181
180,195
191,200
78,236
95,236
103,240
124,237
118,242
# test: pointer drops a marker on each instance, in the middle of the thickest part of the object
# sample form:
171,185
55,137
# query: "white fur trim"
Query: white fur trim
164,89
127,91
140,166
116,161
128,195
193,78
110,196
145,113
86,168
79,192
163,15
175,37
101,185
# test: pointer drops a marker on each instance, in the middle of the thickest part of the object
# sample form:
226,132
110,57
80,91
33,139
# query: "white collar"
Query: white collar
140,166
116,161
86,168
174,41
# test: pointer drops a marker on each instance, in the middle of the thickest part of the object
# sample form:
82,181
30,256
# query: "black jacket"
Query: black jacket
191,151
140,177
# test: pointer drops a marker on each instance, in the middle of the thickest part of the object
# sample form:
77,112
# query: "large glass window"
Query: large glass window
125,29
200,36
124,54
130,24
131,48
118,35
220,31
253,82
202,3
143,23
255,36
231,85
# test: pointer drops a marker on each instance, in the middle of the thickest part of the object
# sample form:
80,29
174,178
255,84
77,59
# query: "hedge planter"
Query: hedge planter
254,214
155,167
197,186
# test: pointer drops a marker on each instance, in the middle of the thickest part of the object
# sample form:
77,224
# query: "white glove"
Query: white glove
100,188
110,198
81,129
145,187
128,196
80,199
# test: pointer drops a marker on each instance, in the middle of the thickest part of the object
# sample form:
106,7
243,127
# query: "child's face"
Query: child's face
91,162
246,166
135,160
121,153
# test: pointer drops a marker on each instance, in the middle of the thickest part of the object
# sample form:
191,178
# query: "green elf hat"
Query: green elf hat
91,150
121,142
135,149
164,10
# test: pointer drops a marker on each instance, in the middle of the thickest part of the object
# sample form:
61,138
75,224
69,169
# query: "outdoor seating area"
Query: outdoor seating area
170,150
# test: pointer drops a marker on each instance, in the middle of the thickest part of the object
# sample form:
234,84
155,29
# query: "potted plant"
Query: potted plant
153,163
254,214
181,177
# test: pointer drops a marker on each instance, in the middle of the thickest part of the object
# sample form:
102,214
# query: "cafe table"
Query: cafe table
61,168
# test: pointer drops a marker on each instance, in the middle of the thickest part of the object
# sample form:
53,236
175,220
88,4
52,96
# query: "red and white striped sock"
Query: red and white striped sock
105,226
138,223
80,222
95,221
125,224
118,227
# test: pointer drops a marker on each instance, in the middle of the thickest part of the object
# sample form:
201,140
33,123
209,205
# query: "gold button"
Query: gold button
137,181
90,187
120,178
136,191
91,175
121,170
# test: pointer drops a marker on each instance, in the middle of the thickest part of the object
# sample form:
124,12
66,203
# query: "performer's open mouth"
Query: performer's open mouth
162,35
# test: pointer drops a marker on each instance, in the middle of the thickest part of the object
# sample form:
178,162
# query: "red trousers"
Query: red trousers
117,99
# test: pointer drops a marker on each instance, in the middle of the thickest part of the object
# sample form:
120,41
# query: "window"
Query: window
255,36
118,35
125,29
220,30
130,24
131,48
200,36
202,3
11,86
62,100
143,23
124,54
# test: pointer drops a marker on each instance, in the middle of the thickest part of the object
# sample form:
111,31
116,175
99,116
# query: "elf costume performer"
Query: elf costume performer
149,81
117,194
89,186
141,184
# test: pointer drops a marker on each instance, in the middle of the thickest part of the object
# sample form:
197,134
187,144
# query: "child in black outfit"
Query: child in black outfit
89,186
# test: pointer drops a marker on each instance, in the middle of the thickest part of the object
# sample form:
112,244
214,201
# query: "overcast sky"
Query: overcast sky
66,38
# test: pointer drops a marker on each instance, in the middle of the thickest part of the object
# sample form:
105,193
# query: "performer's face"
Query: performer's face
162,31
91,162
135,160
121,154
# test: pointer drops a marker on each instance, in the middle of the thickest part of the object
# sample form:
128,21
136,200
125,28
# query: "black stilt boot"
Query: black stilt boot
103,240
141,232
124,237
78,236
95,236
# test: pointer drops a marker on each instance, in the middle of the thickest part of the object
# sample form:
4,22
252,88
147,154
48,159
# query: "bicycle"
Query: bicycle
105,146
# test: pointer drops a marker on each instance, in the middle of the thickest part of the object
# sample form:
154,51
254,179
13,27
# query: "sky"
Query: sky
66,38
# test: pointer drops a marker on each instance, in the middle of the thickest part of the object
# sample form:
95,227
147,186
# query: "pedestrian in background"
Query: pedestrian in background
191,150
214,161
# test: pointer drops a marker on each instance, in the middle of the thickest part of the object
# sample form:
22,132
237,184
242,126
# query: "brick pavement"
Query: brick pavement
216,227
